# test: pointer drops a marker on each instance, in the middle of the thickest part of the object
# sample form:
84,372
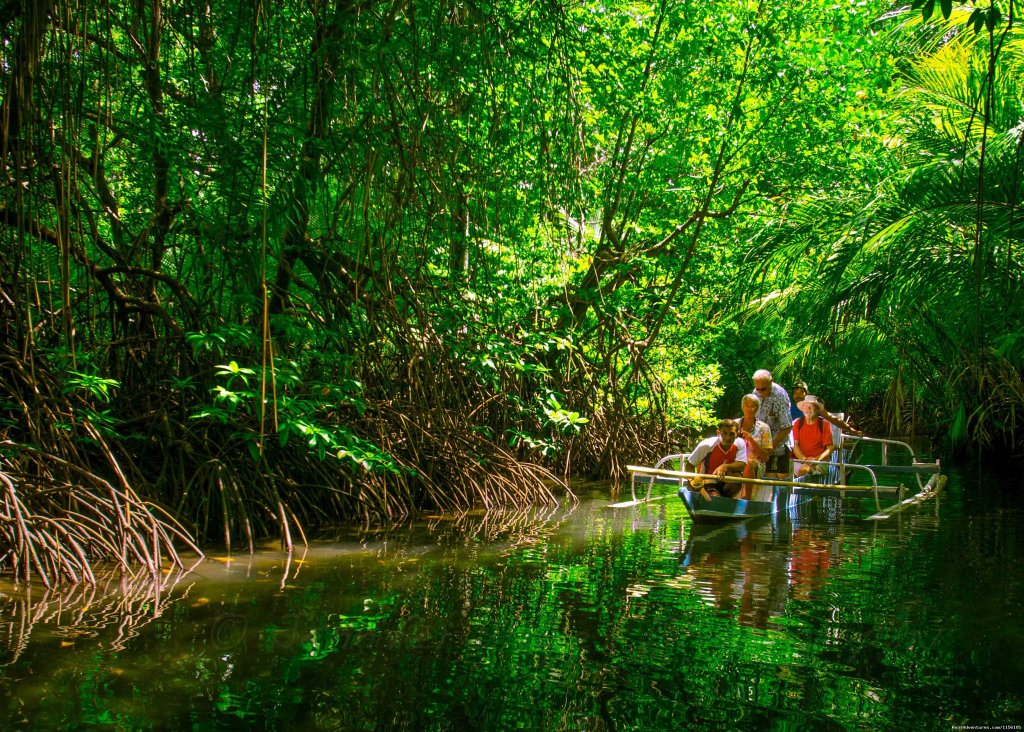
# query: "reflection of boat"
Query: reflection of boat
751,569
763,530
770,496
710,540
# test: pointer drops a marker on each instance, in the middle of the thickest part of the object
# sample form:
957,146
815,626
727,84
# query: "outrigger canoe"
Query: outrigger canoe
772,495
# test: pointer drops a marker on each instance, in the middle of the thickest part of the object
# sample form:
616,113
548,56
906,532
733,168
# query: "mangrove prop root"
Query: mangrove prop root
54,528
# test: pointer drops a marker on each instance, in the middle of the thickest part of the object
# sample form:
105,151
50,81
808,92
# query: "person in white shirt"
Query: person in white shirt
720,455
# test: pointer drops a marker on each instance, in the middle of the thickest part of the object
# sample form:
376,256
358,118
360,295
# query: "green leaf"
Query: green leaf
947,8
927,10
993,18
976,19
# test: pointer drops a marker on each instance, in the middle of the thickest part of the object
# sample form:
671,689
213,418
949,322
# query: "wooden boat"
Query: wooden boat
770,496
767,498
712,507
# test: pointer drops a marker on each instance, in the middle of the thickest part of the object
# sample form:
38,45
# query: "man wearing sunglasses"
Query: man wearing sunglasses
775,408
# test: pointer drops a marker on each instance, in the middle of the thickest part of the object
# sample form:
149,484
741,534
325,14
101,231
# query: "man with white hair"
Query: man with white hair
775,408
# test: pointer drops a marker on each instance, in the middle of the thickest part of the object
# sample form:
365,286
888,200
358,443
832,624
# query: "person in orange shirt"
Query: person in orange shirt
812,436
800,391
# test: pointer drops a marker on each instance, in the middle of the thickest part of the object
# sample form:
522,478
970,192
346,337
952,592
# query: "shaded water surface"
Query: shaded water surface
582,618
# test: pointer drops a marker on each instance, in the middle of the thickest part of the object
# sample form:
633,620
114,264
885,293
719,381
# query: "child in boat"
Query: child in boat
720,455
812,437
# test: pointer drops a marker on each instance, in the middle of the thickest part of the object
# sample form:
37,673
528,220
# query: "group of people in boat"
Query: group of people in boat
758,445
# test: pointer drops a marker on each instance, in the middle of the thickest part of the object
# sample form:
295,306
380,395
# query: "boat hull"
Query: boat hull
721,508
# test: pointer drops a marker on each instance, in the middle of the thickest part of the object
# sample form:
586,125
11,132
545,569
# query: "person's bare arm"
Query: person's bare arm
841,423
736,467
826,453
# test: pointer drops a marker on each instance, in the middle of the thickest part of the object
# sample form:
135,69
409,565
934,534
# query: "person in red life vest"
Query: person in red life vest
812,436
720,455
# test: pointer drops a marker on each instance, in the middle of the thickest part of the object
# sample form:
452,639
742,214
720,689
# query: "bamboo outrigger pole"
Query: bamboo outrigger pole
756,481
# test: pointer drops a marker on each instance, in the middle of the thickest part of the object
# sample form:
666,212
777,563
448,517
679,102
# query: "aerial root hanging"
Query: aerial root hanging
459,468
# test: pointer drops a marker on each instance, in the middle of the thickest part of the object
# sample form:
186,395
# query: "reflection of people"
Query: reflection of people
740,571
758,437
720,455
810,561
774,412
812,437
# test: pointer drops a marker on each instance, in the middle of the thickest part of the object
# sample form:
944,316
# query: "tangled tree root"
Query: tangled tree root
456,467
54,528
68,503
617,439
439,464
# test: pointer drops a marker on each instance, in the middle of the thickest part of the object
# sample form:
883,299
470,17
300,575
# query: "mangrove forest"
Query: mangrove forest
272,267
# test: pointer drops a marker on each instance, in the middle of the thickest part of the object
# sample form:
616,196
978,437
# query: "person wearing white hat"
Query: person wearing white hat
800,393
812,437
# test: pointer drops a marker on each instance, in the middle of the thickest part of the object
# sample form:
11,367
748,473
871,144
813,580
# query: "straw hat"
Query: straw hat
811,399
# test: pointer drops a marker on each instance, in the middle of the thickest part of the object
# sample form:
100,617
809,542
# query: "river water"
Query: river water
576,618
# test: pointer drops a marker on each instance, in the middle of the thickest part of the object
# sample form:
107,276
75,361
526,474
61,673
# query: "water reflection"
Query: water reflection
755,568
512,527
119,603
580,617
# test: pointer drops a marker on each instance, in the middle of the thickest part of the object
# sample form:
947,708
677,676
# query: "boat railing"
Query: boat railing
843,467
680,456
657,466
916,467
838,469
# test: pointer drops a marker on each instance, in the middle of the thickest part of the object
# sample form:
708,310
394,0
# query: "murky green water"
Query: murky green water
581,619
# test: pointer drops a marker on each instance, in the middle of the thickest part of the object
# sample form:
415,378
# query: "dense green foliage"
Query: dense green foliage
282,264
915,279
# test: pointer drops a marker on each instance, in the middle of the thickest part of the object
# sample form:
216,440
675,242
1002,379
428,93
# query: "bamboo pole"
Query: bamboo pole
935,484
759,481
